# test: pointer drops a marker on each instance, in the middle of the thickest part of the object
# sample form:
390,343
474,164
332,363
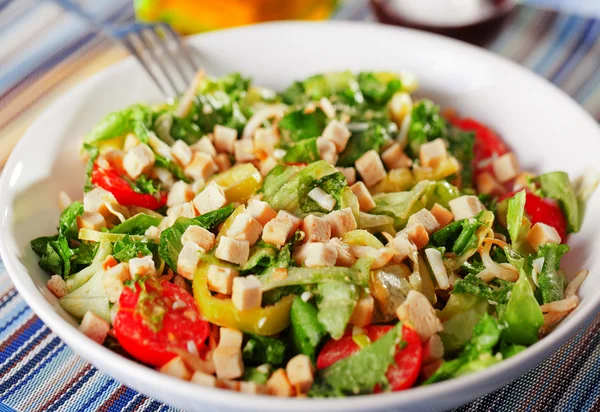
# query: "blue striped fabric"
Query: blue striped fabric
37,370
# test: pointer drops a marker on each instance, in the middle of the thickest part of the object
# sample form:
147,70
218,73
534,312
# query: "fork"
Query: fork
157,47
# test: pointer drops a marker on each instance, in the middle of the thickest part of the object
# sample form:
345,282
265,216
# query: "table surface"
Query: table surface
45,51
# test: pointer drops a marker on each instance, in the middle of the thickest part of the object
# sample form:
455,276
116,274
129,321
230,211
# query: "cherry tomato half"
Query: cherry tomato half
541,210
156,318
111,180
401,376
487,142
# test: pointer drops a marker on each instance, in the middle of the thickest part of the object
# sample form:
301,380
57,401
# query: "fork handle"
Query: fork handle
76,9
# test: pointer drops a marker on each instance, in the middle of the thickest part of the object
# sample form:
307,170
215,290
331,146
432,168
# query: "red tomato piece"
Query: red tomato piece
543,210
487,142
111,180
150,324
408,359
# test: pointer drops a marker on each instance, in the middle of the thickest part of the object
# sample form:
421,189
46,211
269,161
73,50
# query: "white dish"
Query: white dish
546,128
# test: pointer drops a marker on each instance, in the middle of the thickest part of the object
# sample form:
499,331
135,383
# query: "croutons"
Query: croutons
225,138
113,280
57,286
247,293
487,184
202,166
465,207
143,266
322,198
338,133
233,250
506,167
197,234
91,220
230,337
244,151
245,227
204,379
300,372
181,192
349,173
370,168
417,310
220,279
541,234
363,311
204,145
228,362
182,152
260,211
279,384
316,255
341,221
327,150
441,214
394,157
433,153
211,198
417,234
138,160
188,259
433,349
265,140
94,327
177,367
425,218
316,229
365,200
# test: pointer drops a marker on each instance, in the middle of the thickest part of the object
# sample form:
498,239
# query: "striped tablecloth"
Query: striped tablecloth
44,51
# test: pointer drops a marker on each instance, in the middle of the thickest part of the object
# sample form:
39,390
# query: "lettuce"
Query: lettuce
297,125
460,315
514,215
89,297
135,118
335,301
276,179
377,89
136,225
128,248
373,138
263,349
522,315
551,284
556,185
331,184
426,124
78,279
304,151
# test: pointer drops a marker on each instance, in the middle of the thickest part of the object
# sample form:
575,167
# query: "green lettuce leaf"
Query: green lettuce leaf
304,151
297,125
360,142
126,249
557,186
116,124
136,225
551,284
514,215
335,301
523,315
263,349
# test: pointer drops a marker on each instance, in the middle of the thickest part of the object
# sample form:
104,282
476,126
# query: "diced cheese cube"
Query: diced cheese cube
164,176
365,200
506,167
130,142
363,311
433,349
279,384
253,388
113,280
344,255
314,255
260,211
233,250
230,337
349,173
223,162
542,234
327,150
417,234
188,259
327,107
433,153
225,138
276,232
204,145
284,216
202,166
153,233
182,210
64,200
465,207
341,221
143,266
138,160
245,227
488,185
181,192
220,279
94,327
316,229
211,198
244,151
91,220
370,168
394,157
228,362
322,198
300,372
247,292
441,214
266,165
182,152
204,238
338,133
177,367
417,310
57,286
425,218
204,379
98,200
266,140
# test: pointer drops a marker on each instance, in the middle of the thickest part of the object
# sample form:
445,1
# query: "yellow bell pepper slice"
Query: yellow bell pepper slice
240,182
260,321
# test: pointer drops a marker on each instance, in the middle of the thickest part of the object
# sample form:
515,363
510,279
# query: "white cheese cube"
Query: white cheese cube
143,266
230,337
188,259
177,367
338,133
323,199
365,200
211,198
260,211
506,167
91,220
245,227
138,160
182,210
279,384
202,166
341,221
182,152
327,150
204,379
425,218
225,138
223,162
198,185
181,192
164,176
370,168
300,372
152,233
220,279
202,237
433,153
204,145
465,207
542,234
417,310
441,214
113,280
266,140
247,293
394,157
327,107
94,327
349,173
316,229
314,255
244,151
57,286
233,251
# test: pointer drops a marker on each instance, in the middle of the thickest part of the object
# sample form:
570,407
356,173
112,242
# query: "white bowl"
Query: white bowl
544,126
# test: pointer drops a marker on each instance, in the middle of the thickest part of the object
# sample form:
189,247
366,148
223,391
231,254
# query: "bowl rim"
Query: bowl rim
502,372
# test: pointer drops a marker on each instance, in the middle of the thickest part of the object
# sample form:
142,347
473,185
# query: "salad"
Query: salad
334,239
